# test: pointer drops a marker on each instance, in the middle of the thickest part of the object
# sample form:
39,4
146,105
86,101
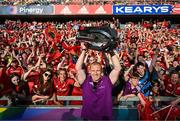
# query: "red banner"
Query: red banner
176,9
83,9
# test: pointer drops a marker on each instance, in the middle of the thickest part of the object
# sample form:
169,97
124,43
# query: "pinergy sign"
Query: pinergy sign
34,10
142,9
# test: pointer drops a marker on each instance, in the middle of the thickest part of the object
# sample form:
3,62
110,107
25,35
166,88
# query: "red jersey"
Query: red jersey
63,88
77,91
172,90
5,84
12,70
45,89
177,90
145,112
33,76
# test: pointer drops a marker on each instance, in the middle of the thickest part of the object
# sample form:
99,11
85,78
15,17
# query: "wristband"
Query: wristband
84,50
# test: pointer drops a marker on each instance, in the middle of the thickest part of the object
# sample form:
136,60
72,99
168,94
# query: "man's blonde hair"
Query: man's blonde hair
96,63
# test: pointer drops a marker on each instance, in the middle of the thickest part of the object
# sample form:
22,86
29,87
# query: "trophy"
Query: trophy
98,38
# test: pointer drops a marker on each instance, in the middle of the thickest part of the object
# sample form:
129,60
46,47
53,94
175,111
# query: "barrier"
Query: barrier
125,111
59,113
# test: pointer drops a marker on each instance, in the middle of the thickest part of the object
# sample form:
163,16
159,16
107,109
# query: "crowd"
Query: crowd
80,2
37,60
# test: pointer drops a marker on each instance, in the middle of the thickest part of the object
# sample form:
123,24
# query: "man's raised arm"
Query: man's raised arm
81,75
116,68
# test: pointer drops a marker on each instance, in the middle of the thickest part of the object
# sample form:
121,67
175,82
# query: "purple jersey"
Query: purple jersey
127,89
97,102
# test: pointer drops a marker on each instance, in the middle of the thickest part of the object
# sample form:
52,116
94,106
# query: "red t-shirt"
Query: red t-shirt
145,112
63,88
5,84
45,89
177,90
171,89
77,91
33,76
12,70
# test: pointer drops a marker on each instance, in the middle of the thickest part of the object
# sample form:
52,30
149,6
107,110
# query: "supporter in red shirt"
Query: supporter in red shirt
63,85
15,68
20,90
146,108
76,90
156,88
22,38
33,75
126,60
43,88
5,85
172,87
165,24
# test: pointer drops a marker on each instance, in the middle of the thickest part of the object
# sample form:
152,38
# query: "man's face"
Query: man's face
135,81
24,56
92,59
155,88
141,70
175,63
174,78
62,75
95,71
150,98
14,64
141,59
15,80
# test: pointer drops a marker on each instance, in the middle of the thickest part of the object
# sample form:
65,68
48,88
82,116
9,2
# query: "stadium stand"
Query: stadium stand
28,49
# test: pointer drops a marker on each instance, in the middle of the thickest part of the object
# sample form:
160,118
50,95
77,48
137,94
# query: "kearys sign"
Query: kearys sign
142,9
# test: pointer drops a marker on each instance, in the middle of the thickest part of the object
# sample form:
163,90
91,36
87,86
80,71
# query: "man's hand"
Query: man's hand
83,46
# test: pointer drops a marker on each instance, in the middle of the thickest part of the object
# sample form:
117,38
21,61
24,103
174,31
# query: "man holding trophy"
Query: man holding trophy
97,88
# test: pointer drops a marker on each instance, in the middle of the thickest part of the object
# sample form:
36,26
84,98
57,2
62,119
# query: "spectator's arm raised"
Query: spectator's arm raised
25,75
154,60
126,73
